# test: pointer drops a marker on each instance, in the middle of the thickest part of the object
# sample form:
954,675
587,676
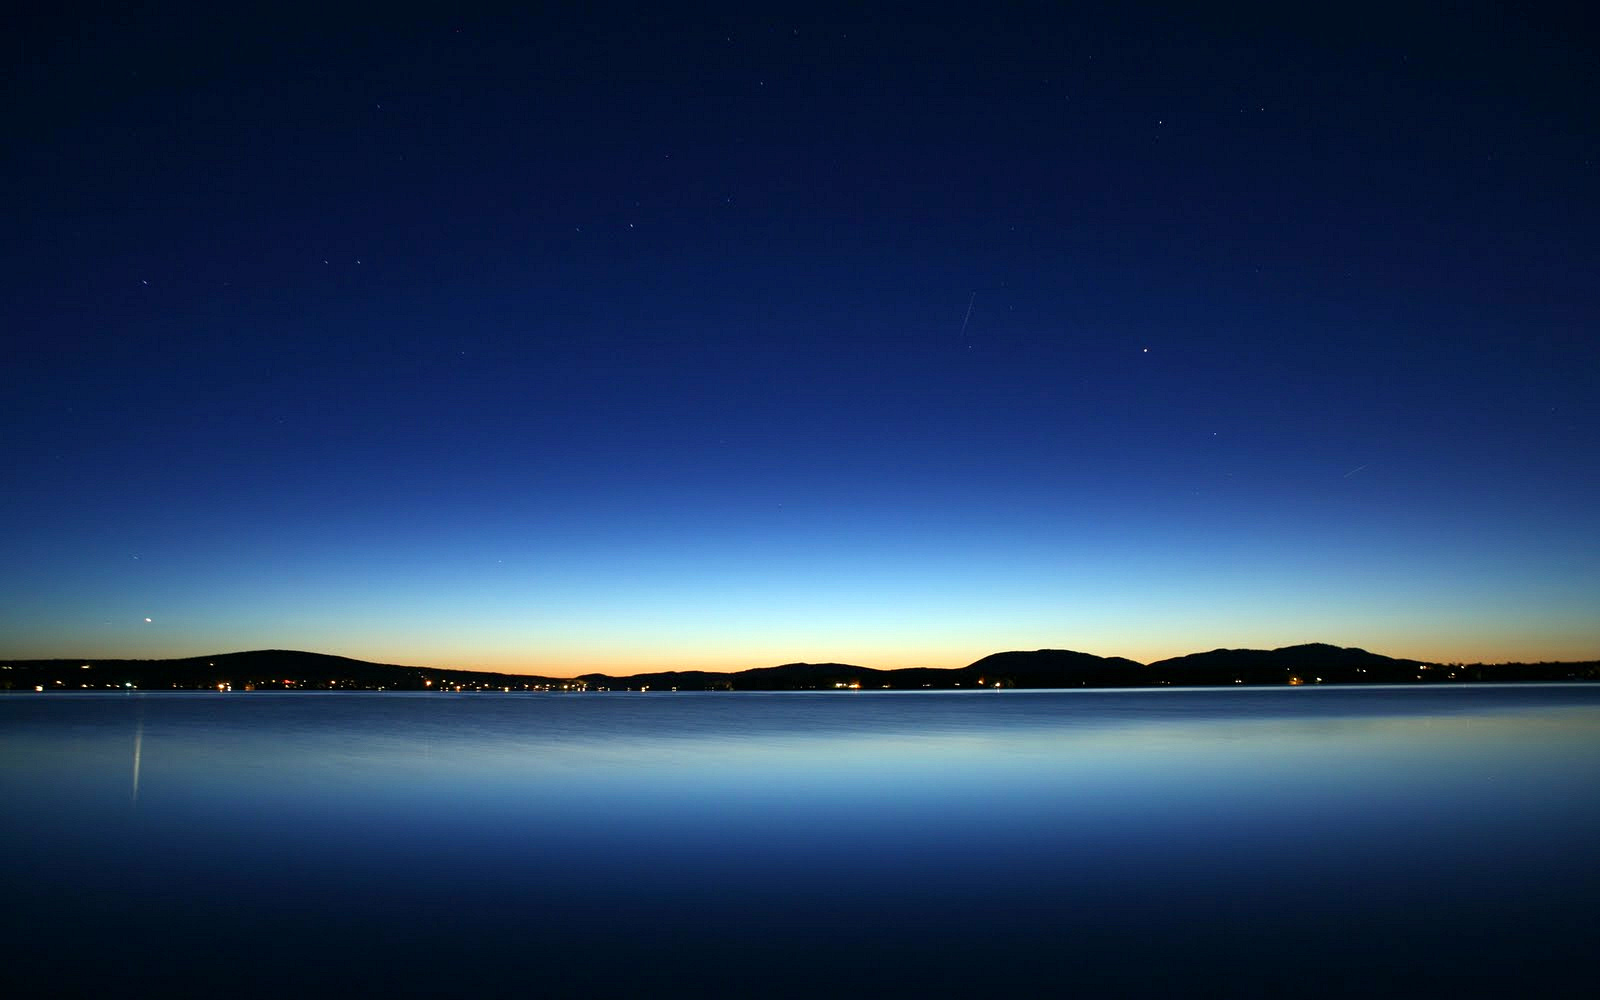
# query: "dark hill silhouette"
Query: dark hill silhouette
261,669
661,680
1043,668
287,669
785,677
1054,668
1308,662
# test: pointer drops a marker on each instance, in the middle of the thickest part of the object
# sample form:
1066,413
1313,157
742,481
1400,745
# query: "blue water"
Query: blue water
1323,841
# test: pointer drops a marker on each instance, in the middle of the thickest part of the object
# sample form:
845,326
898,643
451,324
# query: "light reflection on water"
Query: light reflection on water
1225,842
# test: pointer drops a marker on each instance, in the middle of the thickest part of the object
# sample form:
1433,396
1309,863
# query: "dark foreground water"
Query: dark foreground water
1293,842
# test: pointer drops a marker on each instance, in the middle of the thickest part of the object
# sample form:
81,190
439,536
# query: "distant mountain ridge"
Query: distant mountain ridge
1315,662
282,669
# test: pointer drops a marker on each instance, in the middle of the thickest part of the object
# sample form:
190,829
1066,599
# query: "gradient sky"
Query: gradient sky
629,340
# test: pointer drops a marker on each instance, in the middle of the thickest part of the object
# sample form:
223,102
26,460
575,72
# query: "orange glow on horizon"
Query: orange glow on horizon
619,665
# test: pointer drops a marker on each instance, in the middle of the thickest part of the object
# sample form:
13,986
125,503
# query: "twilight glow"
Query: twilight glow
821,341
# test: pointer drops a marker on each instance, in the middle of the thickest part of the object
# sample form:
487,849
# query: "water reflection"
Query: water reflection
138,751
901,843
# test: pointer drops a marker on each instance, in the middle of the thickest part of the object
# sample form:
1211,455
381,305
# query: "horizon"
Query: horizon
625,672
556,342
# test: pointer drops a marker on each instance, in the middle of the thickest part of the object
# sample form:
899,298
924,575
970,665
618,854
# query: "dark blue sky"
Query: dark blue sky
639,339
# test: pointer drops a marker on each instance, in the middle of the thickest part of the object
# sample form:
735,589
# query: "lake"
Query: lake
1247,842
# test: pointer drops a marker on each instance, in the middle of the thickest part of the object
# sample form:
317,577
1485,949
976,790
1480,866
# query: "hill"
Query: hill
1310,663
261,669
1056,668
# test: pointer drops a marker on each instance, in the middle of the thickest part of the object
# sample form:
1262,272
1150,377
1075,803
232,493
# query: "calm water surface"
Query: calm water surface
1323,841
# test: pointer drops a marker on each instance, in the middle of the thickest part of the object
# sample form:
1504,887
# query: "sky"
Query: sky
629,339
